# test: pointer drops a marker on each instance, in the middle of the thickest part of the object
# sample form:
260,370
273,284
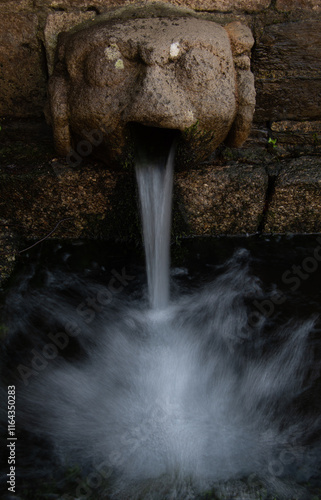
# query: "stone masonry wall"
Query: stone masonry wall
271,185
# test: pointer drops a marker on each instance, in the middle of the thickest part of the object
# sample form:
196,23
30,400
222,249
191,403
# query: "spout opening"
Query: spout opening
152,142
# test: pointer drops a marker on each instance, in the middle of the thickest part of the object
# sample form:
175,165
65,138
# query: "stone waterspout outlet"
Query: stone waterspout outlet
174,71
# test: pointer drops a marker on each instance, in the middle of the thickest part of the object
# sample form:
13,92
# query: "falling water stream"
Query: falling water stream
155,185
158,398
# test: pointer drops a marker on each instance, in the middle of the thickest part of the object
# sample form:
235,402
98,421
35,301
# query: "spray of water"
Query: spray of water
163,402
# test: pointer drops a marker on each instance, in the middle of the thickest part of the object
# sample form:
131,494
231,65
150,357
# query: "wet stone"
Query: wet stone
296,203
222,199
39,200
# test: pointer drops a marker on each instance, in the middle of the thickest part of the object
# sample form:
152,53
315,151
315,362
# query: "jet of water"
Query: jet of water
155,185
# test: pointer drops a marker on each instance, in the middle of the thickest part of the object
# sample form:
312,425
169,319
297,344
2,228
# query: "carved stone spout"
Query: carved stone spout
175,72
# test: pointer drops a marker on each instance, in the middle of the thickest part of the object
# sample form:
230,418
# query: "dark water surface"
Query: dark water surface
117,401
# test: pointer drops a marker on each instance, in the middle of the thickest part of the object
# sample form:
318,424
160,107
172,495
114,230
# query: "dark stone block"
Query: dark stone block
287,68
296,203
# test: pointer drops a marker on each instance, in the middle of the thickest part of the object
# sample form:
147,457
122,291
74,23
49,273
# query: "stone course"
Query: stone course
271,184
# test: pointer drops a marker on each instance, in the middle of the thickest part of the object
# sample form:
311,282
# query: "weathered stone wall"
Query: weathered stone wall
272,184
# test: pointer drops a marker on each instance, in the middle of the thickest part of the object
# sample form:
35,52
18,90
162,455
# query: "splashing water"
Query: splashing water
161,403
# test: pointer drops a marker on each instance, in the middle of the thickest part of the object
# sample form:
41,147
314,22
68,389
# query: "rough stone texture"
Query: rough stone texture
22,80
287,67
8,249
15,5
91,4
57,22
292,132
39,200
226,5
288,5
166,72
222,200
103,204
207,5
296,203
